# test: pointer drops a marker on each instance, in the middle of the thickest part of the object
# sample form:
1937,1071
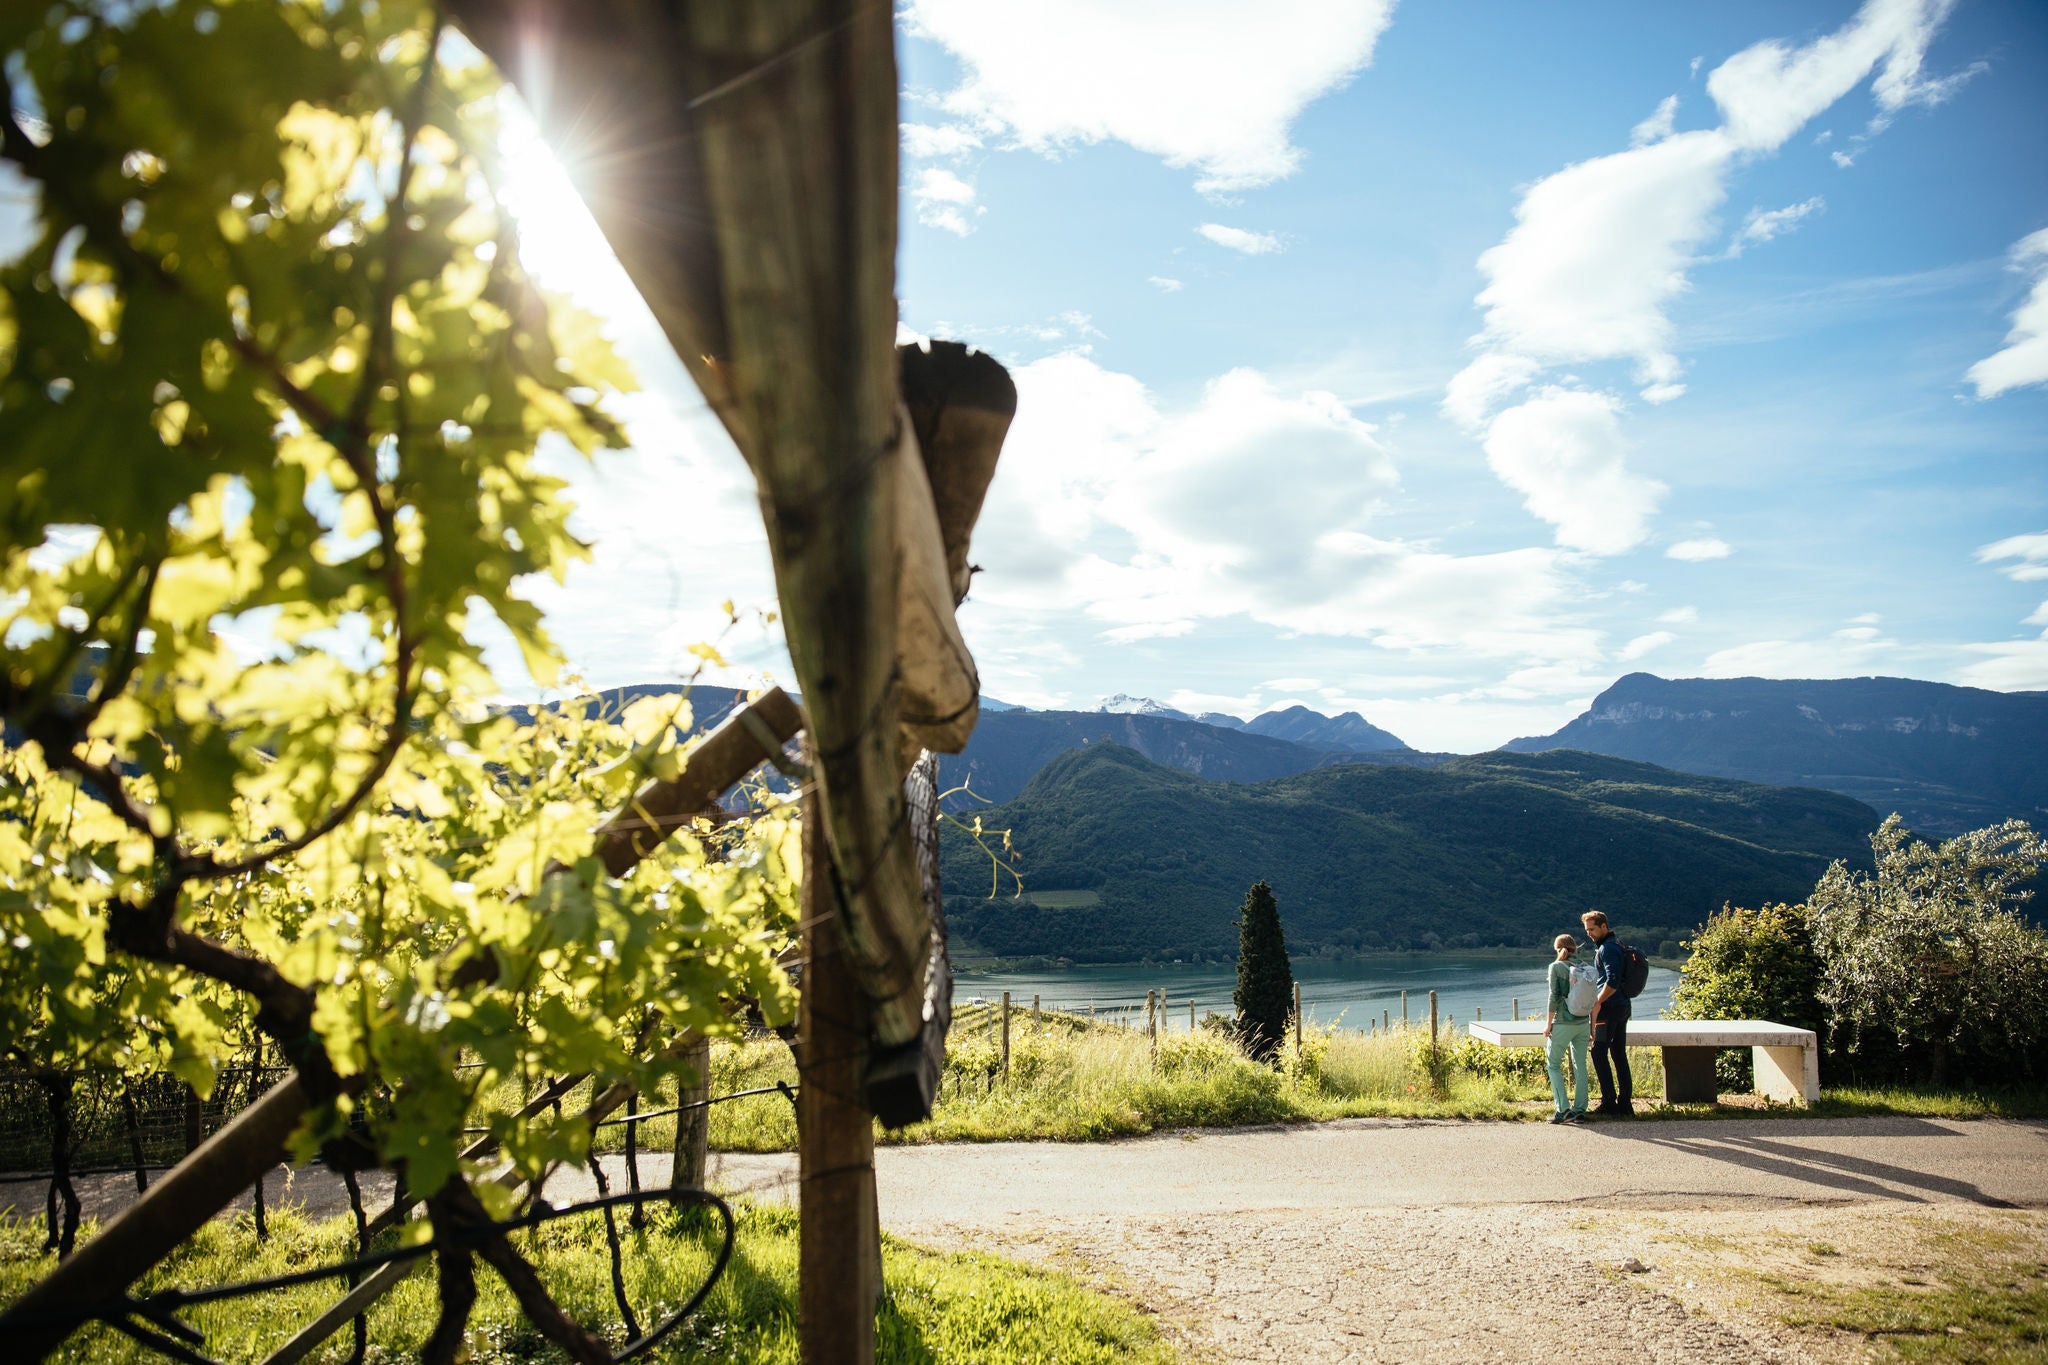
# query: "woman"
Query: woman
1565,1029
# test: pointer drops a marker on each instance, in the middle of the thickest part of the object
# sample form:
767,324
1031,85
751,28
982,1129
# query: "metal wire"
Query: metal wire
152,1321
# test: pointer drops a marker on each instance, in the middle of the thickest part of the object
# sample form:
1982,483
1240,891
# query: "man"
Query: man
1610,1021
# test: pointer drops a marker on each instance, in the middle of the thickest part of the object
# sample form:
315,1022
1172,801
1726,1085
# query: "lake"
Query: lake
1347,992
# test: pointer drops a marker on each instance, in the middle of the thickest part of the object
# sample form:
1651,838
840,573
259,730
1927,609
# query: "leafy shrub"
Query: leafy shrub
1929,969
1304,1063
1750,964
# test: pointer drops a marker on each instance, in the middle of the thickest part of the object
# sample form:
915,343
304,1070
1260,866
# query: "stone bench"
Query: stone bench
1787,1059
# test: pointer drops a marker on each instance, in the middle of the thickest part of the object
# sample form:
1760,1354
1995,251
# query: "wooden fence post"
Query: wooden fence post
1191,1016
1404,1011
1518,1008
1006,1035
1036,1017
840,1272
1432,1026
692,1149
131,1120
1386,1024
1297,1016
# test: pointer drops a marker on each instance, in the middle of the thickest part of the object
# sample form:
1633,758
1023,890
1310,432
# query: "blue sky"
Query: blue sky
1442,362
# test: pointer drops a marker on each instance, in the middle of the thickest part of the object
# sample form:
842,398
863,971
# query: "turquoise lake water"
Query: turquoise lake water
1347,993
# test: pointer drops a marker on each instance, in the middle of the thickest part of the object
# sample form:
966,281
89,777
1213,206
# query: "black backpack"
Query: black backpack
1635,971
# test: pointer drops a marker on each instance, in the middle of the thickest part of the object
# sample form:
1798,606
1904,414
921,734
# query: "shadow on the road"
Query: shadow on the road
1835,1170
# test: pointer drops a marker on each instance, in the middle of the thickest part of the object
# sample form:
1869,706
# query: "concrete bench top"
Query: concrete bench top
1664,1033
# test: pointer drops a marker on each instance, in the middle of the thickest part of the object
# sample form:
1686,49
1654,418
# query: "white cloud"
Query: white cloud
2024,360
1563,451
1213,85
1239,239
1165,285
943,200
1140,518
2009,665
1644,644
1764,224
1474,392
1695,551
2030,550
1679,616
1769,91
1853,652
1600,248
939,140
1148,630
1843,160
1658,125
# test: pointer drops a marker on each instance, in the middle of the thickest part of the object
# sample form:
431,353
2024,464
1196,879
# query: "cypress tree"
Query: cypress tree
1265,981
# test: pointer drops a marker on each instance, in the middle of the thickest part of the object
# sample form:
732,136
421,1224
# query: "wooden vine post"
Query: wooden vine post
750,191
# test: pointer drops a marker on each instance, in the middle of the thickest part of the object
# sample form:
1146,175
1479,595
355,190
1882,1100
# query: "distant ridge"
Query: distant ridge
1945,758
1349,733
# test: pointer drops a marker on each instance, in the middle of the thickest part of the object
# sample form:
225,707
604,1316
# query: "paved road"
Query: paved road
1371,1163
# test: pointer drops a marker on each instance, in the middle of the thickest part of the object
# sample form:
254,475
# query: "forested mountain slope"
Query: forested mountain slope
1125,859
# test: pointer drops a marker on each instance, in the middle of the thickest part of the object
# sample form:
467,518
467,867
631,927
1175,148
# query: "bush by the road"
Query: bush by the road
1927,971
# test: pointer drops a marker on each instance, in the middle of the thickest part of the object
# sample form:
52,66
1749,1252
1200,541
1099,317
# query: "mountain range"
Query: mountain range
1126,859
1945,758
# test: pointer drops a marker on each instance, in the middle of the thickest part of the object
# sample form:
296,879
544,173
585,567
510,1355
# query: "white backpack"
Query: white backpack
1585,993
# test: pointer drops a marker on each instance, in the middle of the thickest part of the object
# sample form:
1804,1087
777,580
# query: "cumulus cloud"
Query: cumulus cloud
1563,451
1695,551
1165,285
1210,85
943,200
1253,502
2024,360
1600,248
1239,239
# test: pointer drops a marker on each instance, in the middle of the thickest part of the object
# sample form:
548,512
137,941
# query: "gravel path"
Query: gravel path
1409,1240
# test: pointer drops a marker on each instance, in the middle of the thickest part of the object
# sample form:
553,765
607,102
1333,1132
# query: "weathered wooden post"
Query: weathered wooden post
1404,1011
1036,1017
1191,1016
1432,1027
839,1229
692,1145
1518,1008
1006,1035
1386,1022
1478,1015
1297,1016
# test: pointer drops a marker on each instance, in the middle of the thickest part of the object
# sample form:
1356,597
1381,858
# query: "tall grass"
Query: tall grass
1075,1080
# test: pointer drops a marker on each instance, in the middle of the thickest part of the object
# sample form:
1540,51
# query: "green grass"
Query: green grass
1983,1298
1076,1080
937,1307
1073,1081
